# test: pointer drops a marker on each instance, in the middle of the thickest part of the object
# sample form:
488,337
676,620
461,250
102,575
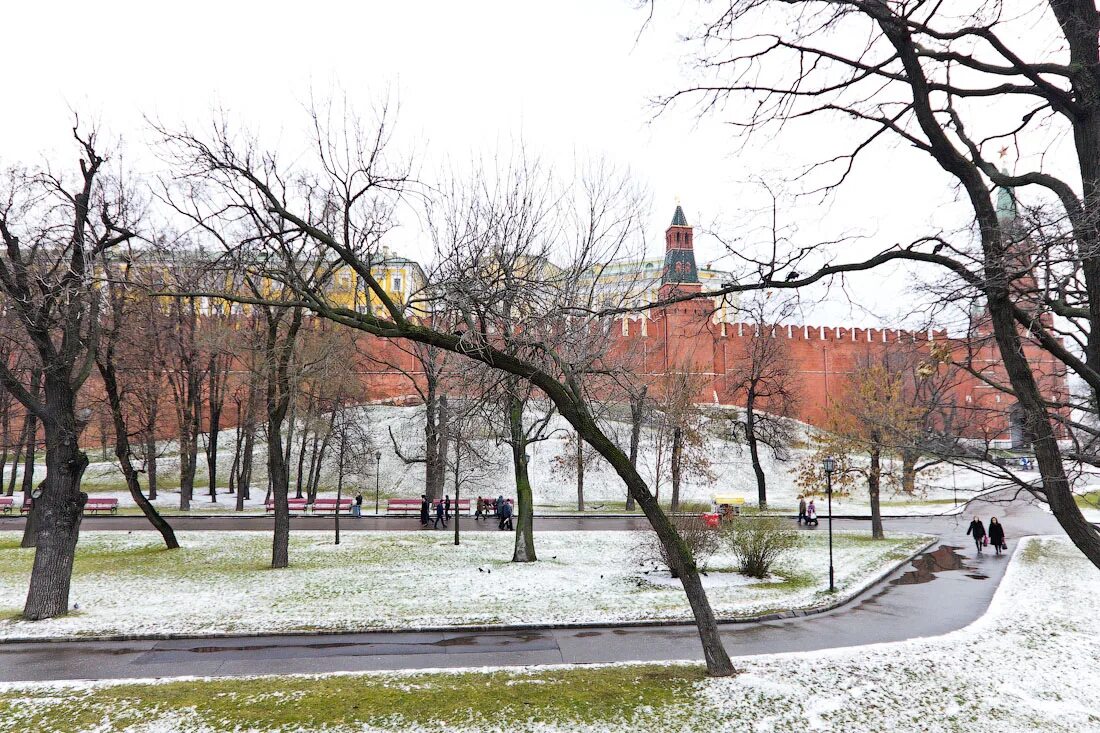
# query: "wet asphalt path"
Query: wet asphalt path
954,589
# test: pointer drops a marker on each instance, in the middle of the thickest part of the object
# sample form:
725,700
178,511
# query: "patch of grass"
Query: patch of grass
1089,500
524,700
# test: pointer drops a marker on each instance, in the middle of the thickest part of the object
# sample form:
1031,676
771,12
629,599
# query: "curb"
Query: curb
484,628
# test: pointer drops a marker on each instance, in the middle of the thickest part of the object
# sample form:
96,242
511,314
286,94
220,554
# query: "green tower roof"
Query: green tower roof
678,218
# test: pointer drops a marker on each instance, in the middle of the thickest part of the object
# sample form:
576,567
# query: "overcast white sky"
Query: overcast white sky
569,79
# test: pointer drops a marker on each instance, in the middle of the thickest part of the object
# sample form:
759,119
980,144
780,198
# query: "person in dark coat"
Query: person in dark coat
425,517
446,507
440,516
505,515
801,509
996,535
977,529
357,510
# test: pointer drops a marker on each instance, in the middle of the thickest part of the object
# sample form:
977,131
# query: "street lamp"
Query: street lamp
829,464
377,464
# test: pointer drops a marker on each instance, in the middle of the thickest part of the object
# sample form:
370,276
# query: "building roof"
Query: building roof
678,218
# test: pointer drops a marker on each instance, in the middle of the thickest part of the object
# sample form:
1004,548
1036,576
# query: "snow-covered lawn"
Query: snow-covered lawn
220,582
1029,665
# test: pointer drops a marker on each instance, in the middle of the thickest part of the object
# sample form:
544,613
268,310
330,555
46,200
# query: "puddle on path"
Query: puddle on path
941,560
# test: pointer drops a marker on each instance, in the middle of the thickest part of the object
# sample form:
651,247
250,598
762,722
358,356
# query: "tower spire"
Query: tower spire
680,273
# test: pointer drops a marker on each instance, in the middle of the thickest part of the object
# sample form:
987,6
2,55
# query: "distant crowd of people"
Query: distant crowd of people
500,509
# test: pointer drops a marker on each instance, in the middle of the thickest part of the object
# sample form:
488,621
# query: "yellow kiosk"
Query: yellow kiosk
728,506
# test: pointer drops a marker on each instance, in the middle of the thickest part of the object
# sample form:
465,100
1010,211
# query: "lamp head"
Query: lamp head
829,464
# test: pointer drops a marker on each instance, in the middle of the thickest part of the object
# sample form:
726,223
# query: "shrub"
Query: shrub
758,541
701,540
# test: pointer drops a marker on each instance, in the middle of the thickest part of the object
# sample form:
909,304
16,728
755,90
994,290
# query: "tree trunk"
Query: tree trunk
187,468
218,374
151,451
244,483
909,472
457,477
580,474
319,460
30,529
637,414
280,488
677,465
298,480
874,482
754,454
314,455
59,507
525,515
17,458
432,467
718,661
122,451
5,433
443,446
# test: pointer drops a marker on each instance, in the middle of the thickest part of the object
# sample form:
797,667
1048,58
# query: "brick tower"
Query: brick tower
680,276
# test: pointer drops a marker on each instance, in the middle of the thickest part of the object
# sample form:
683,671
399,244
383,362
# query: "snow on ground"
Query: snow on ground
1029,665
219,582
553,489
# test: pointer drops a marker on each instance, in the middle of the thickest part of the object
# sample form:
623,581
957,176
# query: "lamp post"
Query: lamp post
377,465
829,464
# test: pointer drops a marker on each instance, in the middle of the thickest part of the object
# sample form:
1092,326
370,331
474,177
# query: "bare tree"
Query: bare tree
118,290
54,228
354,173
953,82
764,381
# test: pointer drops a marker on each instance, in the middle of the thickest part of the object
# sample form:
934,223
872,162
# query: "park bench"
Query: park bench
463,505
403,506
95,505
27,505
295,505
329,505
6,504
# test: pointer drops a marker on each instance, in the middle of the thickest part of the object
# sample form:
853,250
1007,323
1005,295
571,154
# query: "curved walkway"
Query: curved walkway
890,611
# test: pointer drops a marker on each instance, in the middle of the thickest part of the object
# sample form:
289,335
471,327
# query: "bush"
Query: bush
701,540
758,541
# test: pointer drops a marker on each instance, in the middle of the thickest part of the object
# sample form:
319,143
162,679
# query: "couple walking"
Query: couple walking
806,512
995,536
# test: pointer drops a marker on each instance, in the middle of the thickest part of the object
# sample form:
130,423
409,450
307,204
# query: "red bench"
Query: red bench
463,506
329,505
6,504
403,506
295,505
95,505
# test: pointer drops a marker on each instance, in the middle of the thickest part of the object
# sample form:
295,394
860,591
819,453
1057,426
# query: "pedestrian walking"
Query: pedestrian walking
977,529
801,509
446,507
440,516
997,535
480,508
505,514
811,514
357,508
424,508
